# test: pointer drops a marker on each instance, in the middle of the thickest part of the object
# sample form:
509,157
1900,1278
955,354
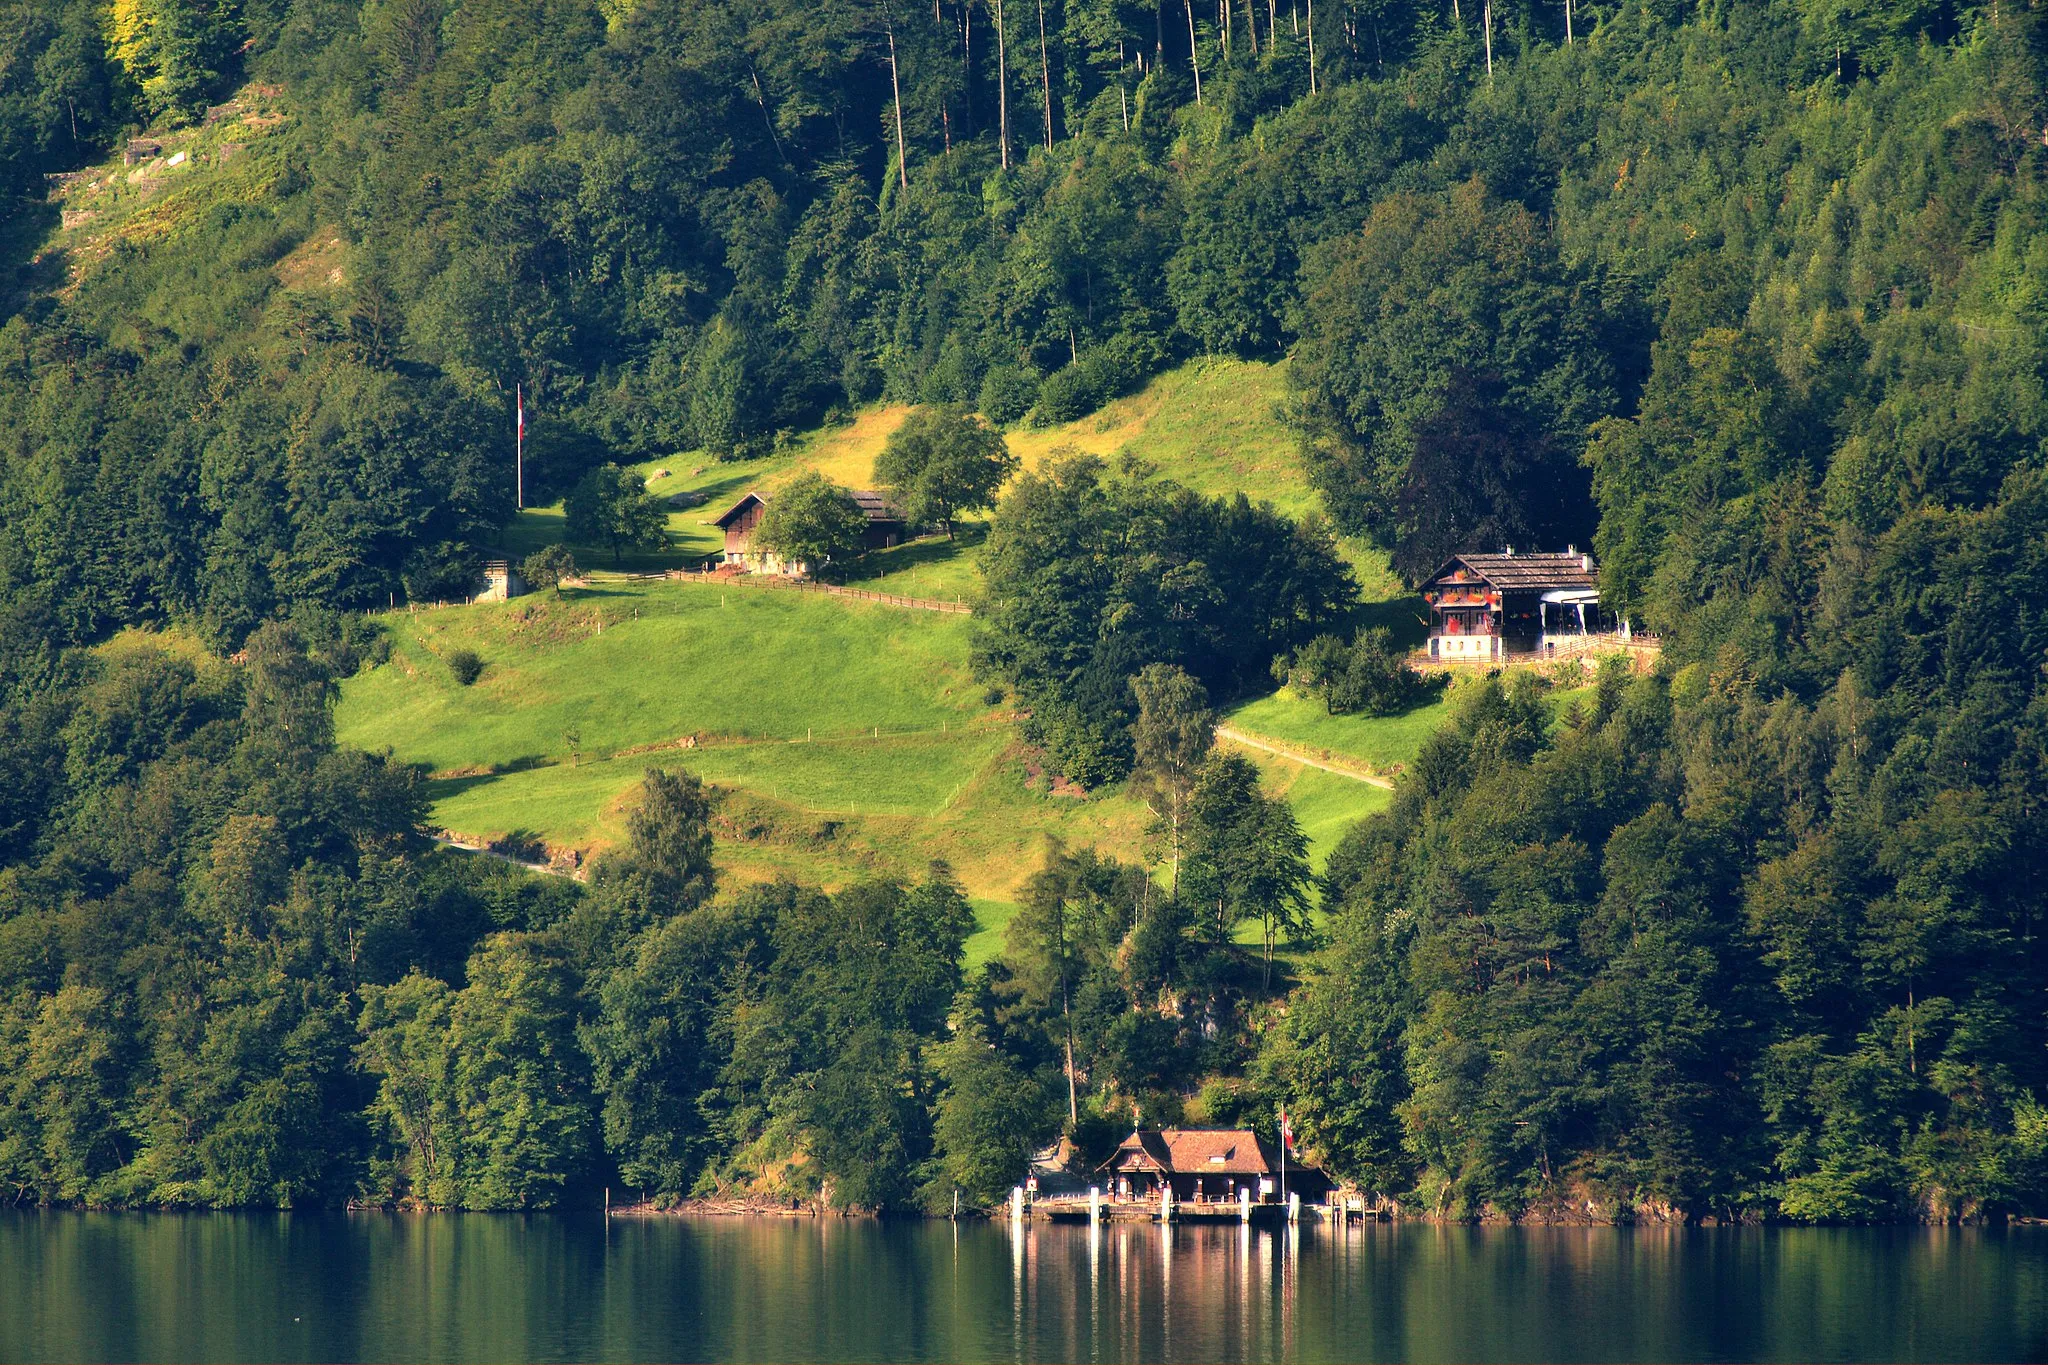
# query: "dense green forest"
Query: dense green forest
1747,296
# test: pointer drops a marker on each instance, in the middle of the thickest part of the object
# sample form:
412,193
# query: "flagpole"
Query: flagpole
1283,1156
519,457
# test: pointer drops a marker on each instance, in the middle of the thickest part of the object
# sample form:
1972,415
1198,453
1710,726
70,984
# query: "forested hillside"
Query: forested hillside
1746,296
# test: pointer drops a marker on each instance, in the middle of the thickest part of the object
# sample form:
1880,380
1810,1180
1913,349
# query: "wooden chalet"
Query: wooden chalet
1207,1165
886,527
1486,607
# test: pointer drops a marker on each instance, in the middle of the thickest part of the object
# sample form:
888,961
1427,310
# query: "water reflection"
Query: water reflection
376,1287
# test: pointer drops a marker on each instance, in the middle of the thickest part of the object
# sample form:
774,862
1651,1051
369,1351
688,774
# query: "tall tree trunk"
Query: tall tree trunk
1067,1018
1194,55
1251,24
1045,74
1003,83
761,96
967,68
896,88
1567,23
1489,39
1223,18
1312,46
1123,101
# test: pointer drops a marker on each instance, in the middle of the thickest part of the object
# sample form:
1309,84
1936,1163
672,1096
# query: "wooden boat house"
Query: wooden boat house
1208,1165
886,527
1485,608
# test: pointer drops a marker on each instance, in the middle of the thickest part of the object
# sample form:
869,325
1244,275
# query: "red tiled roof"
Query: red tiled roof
1196,1151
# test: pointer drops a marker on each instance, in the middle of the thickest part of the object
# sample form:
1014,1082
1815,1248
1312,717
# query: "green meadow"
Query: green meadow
1380,743
628,663
1213,424
848,739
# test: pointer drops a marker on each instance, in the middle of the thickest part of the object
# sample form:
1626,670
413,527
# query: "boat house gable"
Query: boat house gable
1205,1165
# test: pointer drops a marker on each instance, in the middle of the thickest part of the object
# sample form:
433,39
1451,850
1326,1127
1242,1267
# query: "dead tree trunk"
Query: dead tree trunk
896,89
1194,53
1311,46
1123,100
1003,83
1045,74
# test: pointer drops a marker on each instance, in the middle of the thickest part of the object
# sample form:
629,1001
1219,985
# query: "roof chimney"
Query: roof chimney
1586,562
1510,550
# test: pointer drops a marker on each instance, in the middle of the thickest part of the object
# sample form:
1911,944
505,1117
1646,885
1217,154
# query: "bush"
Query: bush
1109,371
1067,395
1007,393
466,666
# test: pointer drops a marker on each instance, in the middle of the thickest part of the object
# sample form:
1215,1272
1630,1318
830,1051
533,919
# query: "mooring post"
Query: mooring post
1165,1201
1094,1205
1244,1204
1294,1206
1016,1203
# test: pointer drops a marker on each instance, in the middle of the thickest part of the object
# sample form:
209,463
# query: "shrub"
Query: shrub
1108,371
466,666
1007,393
1370,674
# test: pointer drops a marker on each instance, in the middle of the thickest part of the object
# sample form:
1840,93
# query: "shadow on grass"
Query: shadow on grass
441,788
1405,617
925,552
25,225
719,494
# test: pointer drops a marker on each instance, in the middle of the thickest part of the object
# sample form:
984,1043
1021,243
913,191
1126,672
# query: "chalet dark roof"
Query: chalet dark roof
1526,572
733,511
1195,1151
876,505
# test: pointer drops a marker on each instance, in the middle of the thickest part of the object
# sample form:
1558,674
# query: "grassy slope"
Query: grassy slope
669,662
1212,424
640,663
784,696
1383,744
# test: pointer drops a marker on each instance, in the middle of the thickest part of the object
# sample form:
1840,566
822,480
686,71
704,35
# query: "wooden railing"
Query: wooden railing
1642,651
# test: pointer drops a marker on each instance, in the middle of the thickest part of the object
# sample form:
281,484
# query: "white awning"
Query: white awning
1572,596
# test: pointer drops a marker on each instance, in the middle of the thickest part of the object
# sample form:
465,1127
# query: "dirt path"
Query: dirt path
1252,742
461,846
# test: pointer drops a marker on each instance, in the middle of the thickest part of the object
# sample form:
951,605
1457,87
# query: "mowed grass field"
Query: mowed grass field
847,739
849,736
630,663
1382,744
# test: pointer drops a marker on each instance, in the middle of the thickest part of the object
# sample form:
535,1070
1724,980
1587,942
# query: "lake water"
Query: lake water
231,1287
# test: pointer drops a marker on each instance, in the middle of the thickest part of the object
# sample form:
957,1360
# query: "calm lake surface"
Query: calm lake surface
233,1287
